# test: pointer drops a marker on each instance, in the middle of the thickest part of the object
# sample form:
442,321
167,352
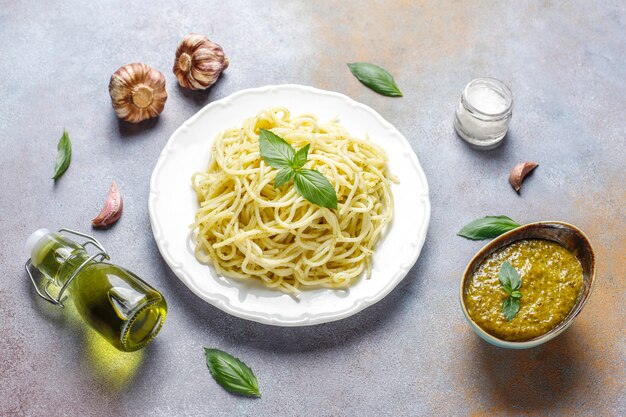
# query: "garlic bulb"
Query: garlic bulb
199,62
137,92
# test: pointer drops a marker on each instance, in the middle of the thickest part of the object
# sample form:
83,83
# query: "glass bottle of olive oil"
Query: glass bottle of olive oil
124,309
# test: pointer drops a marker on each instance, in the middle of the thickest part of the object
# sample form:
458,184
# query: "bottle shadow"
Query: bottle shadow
211,320
530,380
110,368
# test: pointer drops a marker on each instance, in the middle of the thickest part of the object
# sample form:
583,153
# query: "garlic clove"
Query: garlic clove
137,92
199,62
519,172
112,209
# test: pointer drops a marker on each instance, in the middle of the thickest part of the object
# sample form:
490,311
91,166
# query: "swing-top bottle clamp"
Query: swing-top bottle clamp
45,293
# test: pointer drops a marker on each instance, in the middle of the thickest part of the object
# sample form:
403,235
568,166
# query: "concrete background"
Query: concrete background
412,353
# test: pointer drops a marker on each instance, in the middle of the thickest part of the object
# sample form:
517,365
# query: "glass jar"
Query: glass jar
123,308
482,117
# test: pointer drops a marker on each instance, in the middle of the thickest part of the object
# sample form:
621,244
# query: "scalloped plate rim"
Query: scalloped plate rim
220,300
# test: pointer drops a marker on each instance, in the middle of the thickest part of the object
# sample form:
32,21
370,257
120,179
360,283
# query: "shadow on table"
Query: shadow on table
200,97
546,377
110,368
290,339
127,129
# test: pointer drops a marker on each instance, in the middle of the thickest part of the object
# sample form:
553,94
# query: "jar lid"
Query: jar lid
33,239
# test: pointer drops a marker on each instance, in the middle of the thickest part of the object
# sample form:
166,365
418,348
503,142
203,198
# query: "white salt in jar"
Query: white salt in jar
482,118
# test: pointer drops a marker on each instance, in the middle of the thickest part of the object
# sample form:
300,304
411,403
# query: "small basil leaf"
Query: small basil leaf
487,227
510,307
314,187
516,294
376,78
64,155
231,373
299,158
275,151
508,275
508,289
283,176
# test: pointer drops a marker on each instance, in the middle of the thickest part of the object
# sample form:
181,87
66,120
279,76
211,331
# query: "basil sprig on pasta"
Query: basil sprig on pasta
309,183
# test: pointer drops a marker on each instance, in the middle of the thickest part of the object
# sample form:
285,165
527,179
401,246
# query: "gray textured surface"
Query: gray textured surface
411,354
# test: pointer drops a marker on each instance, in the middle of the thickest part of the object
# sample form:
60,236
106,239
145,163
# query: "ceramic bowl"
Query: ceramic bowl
564,234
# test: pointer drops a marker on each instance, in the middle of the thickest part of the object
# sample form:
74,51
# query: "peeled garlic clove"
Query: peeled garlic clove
137,92
112,209
199,62
519,172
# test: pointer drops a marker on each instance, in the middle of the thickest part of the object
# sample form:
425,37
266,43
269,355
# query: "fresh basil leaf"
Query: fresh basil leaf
314,187
231,373
299,158
509,276
376,78
275,151
510,307
507,288
64,155
515,294
283,176
488,227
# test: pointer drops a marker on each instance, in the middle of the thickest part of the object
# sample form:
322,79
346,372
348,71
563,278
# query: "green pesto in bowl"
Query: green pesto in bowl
551,276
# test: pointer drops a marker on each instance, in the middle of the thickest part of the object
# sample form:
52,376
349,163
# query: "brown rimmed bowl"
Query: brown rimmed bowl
572,238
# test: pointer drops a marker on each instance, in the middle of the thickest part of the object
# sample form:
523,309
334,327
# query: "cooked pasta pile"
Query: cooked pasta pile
247,229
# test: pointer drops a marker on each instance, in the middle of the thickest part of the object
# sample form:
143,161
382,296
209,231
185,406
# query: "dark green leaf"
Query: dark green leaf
313,186
507,288
275,151
510,307
488,227
516,294
231,373
283,176
376,78
509,276
299,158
64,155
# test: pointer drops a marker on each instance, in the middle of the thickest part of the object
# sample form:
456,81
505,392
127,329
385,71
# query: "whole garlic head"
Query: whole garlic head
137,92
199,62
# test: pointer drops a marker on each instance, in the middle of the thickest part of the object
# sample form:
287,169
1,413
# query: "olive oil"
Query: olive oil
124,309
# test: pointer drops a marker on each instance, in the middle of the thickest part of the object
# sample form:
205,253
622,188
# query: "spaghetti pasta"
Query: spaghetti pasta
247,229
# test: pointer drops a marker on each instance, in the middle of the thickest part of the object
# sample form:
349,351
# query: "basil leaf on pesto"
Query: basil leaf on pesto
510,307
509,277
511,282
488,227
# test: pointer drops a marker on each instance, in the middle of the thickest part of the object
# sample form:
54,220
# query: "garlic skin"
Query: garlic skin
112,210
199,62
137,92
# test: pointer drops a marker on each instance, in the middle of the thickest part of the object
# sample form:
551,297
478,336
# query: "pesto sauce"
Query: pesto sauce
551,281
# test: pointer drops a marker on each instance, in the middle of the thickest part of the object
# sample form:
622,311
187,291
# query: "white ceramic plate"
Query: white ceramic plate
173,203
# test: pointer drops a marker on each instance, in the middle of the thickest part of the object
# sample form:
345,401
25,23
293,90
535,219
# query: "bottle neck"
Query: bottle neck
58,257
